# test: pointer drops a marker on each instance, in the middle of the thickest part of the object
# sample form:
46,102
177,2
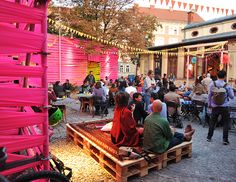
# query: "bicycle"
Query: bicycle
51,176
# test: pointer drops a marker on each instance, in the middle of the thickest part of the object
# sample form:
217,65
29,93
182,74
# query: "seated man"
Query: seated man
139,113
163,113
158,136
172,96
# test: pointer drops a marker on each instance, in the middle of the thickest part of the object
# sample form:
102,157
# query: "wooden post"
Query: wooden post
187,82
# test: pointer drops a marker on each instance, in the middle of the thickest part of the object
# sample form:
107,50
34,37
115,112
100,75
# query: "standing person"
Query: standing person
90,78
218,98
165,82
149,84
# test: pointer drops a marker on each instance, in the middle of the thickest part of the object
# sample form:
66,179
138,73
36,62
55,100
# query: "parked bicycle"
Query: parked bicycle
51,176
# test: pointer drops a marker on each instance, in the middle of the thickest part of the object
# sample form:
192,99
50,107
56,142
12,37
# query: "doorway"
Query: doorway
96,68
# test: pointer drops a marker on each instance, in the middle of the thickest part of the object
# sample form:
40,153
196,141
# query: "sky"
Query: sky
227,4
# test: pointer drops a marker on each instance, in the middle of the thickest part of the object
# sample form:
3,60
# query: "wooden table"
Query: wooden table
86,99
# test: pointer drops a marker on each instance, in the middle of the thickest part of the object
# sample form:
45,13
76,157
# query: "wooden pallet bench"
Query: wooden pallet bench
177,153
106,154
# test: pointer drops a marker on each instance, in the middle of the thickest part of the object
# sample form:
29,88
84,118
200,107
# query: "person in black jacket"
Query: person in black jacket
139,113
90,78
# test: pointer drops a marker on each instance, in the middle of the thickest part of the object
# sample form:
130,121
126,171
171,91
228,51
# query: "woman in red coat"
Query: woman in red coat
124,131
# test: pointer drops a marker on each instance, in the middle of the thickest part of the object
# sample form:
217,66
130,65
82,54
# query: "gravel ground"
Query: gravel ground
211,162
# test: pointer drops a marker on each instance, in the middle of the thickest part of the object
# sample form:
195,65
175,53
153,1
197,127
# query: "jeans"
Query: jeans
177,139
224,112
147,101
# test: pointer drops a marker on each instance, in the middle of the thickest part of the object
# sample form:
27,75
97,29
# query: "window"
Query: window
173,31
121,69
194,33
172,40
159,41
127,69
233,26
213,30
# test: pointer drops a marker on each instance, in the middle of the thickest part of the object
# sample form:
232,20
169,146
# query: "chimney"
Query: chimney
190,17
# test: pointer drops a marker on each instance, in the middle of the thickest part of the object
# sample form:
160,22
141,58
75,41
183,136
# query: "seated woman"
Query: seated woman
58,89
124,131
99,98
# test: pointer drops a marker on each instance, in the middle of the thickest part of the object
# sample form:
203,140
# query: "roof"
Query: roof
205,39
209,22
169,15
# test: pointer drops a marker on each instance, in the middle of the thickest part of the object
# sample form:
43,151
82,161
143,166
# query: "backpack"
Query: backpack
219,94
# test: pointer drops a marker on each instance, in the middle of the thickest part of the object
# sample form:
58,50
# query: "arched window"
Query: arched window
194,33
121,69
127,68
233,26
213,30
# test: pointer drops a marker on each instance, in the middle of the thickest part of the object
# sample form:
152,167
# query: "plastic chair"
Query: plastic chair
55,117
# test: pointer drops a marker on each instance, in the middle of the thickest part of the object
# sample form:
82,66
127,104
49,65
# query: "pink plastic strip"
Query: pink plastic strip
14,12
17,41
20,70
10,119
16,143
22,96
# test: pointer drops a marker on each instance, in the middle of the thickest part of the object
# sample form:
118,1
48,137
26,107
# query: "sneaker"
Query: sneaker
226,142
209,139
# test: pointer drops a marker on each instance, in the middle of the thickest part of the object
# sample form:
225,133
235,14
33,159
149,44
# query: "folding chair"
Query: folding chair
232,111
198,107
99,103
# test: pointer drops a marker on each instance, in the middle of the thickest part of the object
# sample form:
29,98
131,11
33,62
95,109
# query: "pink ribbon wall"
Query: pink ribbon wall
74,61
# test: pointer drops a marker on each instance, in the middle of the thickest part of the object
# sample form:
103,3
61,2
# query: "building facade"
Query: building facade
211,46
172,22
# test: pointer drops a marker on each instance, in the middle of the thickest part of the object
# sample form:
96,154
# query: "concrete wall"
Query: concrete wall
205,30
170,32
232,58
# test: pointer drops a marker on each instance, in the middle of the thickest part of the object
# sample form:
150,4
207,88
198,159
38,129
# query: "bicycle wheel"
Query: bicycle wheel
3,179
51,176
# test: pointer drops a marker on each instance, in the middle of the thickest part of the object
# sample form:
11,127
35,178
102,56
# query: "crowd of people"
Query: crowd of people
141,112
142,117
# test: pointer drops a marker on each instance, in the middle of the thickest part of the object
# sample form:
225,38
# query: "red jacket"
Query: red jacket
124,132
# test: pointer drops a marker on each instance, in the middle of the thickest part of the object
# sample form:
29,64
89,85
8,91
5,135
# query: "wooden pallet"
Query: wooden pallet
120,170
176,153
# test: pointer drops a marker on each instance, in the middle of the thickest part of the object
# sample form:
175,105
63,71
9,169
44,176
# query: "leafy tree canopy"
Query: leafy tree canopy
118,21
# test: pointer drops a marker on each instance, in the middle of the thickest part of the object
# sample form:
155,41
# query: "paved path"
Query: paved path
210,162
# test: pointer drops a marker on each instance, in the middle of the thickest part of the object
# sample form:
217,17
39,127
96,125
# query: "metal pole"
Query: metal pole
59,45
45,86
187,82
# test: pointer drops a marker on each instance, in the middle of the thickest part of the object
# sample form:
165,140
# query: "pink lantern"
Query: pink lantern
225,59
